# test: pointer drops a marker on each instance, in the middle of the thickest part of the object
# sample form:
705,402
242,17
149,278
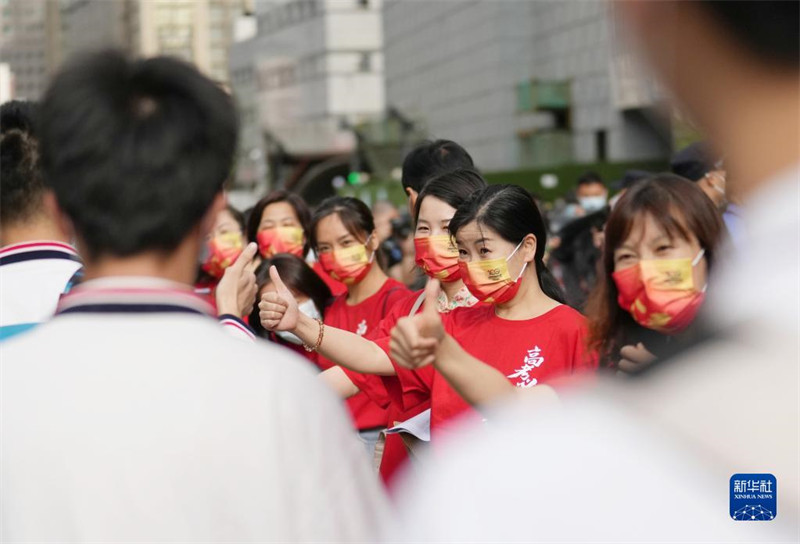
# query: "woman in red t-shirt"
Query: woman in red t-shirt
342,232
279,223
409,396
523,336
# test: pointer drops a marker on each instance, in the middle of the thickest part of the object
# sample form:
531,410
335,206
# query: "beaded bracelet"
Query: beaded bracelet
319,338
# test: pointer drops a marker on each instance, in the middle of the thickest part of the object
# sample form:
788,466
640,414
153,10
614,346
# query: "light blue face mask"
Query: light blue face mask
592,204
308,308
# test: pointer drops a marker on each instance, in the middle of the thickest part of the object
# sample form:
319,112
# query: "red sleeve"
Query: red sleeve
371,385
398,308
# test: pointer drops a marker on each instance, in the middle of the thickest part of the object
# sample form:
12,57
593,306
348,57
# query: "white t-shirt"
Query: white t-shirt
33,275
131,416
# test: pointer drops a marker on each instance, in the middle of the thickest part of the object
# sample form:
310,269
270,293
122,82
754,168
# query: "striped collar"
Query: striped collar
133,295
40,249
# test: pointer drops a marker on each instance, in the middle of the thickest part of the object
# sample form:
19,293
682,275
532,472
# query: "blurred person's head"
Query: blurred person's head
591,192
137,152
384,212
499,231
435,250
24,211
224,242
312,294
697,163
661,241
629,178
279,224
733,67
343,234
428,160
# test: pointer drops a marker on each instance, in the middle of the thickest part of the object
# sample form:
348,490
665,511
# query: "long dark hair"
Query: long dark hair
354,215
451,187
298,277
682,209
295,201
511,212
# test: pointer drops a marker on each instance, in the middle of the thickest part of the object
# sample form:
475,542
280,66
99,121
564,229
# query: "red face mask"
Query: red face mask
280,240
490,281
348,265
660,294
438,257
223,250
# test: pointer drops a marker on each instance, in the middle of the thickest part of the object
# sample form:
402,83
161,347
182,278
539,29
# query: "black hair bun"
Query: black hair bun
18,115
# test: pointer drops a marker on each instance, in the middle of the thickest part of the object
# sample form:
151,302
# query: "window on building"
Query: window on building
600,138
365,62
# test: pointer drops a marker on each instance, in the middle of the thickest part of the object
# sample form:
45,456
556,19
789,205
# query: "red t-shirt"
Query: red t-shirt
528,352
337,288
361,319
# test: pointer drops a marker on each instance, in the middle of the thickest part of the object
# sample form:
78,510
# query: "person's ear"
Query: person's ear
60,219
529,245
219,203
412,200
374,243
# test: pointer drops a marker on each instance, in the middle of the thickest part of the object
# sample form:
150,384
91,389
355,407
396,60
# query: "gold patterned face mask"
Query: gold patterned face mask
660,293
348,265
490,281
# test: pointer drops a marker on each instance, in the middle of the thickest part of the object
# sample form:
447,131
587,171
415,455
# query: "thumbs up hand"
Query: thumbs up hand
278,309
236,291
415,339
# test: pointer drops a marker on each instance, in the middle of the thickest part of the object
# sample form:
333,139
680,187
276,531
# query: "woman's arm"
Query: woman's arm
278,312
345,348
339,382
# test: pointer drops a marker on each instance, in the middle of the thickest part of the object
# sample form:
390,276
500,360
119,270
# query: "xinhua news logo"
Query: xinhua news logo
754,497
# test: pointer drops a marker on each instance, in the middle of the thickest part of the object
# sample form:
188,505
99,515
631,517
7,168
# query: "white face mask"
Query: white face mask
592,203
308,308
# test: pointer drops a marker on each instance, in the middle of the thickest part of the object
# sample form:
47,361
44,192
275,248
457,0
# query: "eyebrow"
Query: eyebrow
344,237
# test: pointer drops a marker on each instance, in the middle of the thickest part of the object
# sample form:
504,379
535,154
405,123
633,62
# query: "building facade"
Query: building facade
522,84
312,71
29,44
198,31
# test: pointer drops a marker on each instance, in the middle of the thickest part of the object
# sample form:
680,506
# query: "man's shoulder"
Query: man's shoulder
168,337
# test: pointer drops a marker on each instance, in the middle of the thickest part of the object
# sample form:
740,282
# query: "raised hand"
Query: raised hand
278,309
236,291
635,358
415,339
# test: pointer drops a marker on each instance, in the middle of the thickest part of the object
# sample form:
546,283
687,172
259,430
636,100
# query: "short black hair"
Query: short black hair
21,185
135,150
694,161
768,29
430,159
589,178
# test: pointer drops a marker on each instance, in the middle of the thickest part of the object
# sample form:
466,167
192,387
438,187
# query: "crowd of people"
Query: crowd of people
351,346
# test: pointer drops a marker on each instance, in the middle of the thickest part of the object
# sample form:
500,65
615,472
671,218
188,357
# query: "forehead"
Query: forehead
646,228
433,210
594,187
279,210
473,231
224,217
331,227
